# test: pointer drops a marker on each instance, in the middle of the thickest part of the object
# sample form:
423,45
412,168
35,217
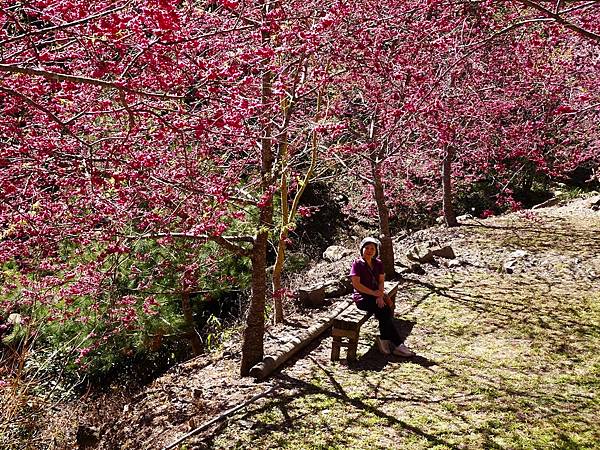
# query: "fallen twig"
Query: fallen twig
221,417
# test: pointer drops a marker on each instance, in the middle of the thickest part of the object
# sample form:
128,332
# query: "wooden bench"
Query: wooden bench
346,328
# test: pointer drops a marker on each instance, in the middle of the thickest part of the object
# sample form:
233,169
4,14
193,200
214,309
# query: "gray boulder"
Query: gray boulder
312,297
338,288
335,253
426,252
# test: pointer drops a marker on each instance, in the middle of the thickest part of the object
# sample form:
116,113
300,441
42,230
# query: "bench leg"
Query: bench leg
352,348
335,348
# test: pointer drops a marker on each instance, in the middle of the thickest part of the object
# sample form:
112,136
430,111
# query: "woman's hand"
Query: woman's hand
380,301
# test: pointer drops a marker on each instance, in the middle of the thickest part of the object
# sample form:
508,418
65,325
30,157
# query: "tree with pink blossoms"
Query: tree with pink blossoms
134,127
424,76
141,121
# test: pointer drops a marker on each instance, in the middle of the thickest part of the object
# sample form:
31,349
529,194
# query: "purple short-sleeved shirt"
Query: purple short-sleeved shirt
369,277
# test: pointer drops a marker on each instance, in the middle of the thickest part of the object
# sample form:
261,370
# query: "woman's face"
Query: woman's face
369,251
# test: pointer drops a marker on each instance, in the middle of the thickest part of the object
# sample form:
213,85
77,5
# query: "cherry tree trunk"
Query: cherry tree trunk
449,214
188,314
385,236
253,343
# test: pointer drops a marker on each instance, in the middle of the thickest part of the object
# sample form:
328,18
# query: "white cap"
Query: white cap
369,240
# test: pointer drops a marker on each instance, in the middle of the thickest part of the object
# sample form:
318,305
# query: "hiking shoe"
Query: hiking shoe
403,350
383,345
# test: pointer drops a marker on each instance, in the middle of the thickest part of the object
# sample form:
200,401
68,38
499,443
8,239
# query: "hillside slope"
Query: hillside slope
506,339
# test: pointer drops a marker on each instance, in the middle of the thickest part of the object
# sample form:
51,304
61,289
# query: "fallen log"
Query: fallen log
288,349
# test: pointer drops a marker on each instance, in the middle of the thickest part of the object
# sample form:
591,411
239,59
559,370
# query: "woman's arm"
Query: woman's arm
362,288
365,290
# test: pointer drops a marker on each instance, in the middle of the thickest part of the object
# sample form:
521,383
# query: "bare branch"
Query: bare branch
203,237
506,30
50,114
65,25
35,105
226,242
137,56
207,35
84,80
224,415
357,173
578,7
560,19
593,107
129,111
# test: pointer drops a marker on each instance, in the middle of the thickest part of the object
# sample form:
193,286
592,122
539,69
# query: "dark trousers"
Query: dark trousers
387,329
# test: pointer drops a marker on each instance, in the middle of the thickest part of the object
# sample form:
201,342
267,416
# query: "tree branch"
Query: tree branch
226,242
65,25
84,80
506,30
35,105
224,415
558,18
190,236
63,125
356,173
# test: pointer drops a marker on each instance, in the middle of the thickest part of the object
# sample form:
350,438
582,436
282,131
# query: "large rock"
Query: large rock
409,267
419,253
594,202
6,327
338,288
509,266
335,253
445,252
548,203
404,265
425,252
312,296
15,319
518,254
454,263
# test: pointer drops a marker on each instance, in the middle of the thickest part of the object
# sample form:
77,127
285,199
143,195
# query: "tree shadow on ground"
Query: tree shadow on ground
476,381
524,304
374,360
292,389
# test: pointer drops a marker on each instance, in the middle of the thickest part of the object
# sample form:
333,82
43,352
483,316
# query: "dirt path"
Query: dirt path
504,360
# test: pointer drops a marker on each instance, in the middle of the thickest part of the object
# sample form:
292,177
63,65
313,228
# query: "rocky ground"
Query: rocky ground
554,249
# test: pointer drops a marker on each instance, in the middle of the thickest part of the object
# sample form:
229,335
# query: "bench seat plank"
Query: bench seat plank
346,328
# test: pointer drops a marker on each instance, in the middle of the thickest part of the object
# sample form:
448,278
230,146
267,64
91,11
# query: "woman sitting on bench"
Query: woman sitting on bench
368,281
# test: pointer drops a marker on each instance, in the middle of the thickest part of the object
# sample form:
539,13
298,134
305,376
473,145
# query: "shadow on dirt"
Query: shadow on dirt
293,389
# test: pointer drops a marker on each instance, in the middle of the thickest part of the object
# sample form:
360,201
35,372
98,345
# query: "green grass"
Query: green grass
504,362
